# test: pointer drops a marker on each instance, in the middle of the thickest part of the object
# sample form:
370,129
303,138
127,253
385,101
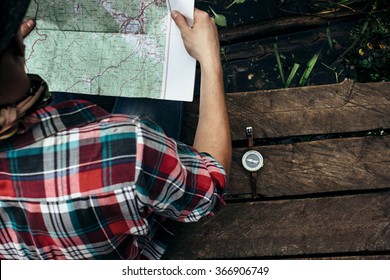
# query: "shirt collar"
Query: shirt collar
11,116
49,120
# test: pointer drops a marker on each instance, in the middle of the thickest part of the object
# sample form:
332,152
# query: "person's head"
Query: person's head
14,82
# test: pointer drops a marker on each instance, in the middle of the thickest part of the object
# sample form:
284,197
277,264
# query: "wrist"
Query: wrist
212,66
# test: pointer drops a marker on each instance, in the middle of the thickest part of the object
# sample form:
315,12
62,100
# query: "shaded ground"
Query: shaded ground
350,38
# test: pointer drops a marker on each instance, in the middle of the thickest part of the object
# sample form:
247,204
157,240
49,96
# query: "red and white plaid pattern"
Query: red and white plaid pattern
83,184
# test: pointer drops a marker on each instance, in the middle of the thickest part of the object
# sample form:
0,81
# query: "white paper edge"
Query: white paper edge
180,75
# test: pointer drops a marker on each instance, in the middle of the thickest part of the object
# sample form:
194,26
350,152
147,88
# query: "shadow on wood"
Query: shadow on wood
324,189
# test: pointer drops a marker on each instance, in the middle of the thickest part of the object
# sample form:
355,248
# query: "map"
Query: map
128,48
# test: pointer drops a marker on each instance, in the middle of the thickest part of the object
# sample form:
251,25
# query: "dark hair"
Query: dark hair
13,47
11,15
1,55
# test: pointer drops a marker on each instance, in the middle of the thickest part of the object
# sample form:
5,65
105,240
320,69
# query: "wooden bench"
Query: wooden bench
324,190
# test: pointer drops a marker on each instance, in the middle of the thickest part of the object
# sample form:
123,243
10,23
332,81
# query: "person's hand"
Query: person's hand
201,40
27,27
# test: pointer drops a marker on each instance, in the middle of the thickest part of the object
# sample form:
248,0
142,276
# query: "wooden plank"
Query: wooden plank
317,166
386,256
325,109
336,108
286,228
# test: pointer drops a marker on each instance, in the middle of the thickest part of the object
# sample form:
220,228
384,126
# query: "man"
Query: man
79,183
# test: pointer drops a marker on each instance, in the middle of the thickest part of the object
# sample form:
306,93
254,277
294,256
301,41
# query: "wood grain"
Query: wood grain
336,108
315,167
285,228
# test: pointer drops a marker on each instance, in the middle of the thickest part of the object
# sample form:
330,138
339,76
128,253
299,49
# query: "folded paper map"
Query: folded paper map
128,48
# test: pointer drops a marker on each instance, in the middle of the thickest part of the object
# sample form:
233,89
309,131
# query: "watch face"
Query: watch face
252,160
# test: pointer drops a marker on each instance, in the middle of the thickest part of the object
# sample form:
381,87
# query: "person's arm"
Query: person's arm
213,131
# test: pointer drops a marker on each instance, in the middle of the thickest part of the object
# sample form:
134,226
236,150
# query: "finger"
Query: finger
180,21
197,12
27,27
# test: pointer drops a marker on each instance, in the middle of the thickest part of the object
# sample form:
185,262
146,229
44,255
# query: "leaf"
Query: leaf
292,75
236,2
219,19
279,62
309,68
330,41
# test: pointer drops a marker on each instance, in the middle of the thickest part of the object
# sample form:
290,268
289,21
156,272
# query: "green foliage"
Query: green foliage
292,75
279,62
306,74
220,20
371,55
309,68
236,2
330,40
223,53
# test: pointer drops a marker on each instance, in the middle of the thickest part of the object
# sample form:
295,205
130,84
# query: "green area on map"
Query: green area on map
114,47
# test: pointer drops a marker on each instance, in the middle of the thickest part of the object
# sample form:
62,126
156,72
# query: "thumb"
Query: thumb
180,20
27,27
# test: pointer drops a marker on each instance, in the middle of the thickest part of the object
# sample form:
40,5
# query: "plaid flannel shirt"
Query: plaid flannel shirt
83,184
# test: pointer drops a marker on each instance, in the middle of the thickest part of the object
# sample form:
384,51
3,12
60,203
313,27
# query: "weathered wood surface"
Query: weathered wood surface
325,109
326,198
322,199
355,224
331,165
350,257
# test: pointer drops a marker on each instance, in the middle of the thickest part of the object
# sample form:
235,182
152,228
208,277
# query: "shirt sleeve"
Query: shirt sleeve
173,179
